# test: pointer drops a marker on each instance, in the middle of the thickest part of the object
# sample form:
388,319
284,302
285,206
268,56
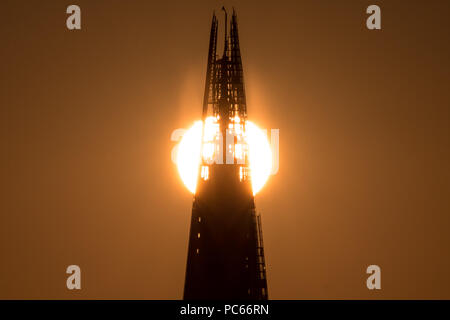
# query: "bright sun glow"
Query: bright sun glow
260,156
188,156
189,149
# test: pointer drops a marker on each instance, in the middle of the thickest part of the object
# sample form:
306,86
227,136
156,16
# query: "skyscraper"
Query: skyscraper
225,254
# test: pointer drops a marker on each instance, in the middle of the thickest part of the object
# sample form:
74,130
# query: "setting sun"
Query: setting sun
190,149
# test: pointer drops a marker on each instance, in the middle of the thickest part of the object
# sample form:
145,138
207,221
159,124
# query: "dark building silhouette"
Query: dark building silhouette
225,254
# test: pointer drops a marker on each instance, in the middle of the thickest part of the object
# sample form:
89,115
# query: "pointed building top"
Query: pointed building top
225,47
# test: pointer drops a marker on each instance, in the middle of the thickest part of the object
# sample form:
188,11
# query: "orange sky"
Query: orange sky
364,145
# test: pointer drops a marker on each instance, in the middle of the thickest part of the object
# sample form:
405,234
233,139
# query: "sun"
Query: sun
260,156
188,156
190,148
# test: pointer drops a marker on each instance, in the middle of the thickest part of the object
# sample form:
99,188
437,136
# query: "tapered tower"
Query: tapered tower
225,253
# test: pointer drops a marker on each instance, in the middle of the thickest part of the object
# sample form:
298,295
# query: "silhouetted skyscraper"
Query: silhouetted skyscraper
225,254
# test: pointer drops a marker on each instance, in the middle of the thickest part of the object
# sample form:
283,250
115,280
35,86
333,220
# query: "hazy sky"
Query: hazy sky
87,115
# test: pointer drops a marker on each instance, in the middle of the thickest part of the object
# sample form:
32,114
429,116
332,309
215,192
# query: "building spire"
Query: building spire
225,47
225,253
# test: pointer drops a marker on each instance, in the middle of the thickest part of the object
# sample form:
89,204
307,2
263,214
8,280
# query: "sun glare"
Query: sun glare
260,156
188,156
189,149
